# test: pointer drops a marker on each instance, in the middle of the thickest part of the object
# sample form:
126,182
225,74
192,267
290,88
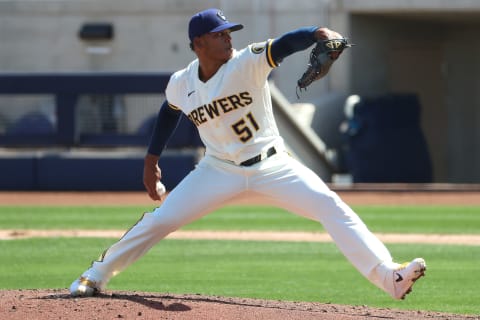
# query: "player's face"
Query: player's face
218,45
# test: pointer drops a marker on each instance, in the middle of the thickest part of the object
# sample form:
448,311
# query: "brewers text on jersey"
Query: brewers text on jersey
219,106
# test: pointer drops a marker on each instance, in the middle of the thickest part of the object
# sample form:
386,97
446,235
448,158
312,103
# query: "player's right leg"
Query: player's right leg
202,191
294,187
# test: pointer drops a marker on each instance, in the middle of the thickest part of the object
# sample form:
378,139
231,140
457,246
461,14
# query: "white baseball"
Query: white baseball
160,188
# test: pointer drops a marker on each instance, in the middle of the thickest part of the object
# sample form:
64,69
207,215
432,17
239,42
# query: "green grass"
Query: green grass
286,271
64,217
270,270
408,219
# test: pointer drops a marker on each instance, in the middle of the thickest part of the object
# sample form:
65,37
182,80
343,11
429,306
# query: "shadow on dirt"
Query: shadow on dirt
150,301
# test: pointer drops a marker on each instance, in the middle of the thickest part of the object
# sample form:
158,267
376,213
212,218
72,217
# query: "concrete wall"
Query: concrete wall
463,102
149,35
394,38
405,54
446,79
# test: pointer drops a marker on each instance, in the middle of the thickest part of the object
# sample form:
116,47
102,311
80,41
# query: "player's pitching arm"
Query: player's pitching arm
165,125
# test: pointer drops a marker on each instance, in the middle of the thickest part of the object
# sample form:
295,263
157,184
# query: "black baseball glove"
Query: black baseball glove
322,56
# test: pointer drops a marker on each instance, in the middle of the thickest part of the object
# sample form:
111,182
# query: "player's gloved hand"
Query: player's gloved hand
326,34
151,174
330,45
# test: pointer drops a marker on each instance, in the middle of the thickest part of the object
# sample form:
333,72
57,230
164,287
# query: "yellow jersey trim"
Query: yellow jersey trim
270,60
174,107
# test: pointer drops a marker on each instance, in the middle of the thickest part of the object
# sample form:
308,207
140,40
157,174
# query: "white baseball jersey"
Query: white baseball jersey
232,113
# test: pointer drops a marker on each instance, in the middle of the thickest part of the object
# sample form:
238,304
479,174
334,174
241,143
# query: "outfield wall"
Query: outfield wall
402,46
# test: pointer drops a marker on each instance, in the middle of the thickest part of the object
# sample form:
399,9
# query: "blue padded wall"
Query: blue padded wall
85,174
107,174
94,173
386,143
17,173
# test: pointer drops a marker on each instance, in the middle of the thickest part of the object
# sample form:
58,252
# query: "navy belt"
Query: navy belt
258,158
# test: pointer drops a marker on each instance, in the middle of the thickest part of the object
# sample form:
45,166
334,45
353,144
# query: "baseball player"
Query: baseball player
225,93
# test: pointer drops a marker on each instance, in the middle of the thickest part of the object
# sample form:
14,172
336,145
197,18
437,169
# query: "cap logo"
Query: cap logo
221,15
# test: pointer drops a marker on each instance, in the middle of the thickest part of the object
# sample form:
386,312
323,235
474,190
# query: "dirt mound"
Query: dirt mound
57,304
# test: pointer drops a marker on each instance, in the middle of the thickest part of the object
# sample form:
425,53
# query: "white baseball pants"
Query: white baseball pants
279,180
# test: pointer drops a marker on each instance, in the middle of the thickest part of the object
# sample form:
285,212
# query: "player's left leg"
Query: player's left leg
294,187
202,191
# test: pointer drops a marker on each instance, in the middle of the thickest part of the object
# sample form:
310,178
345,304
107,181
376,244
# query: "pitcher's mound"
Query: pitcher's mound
57,304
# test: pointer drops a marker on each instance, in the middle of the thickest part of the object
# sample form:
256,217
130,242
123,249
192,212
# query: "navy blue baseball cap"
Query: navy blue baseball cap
210,20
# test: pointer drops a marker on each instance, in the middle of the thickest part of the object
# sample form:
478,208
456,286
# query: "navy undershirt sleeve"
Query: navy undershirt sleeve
291,42
167,122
